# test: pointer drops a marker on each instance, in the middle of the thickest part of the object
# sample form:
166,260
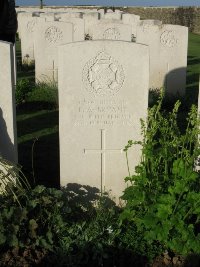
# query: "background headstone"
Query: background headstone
27,28
106,29
78,27
168,55
48,36
8,137
90,20
132,20
113,15
103,93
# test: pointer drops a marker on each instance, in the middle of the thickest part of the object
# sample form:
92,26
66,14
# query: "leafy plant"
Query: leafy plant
45,227
38,223
163,195
12,180
23,89
45,92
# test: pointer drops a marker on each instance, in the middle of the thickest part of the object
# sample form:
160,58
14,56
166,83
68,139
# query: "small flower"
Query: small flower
110,230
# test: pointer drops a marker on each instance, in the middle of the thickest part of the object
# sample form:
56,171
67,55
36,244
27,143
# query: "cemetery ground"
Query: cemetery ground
76,227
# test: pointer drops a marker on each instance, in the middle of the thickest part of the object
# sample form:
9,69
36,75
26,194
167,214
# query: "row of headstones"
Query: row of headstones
42,33
103,94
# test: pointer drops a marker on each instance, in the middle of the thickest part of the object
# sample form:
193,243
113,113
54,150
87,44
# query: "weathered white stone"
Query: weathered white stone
168,55
109,11
103,93
48,16
22,17
101,13
48,36
105,29
113,15
173,51
90,20
27,28
68,15
78,27
132,20
8,137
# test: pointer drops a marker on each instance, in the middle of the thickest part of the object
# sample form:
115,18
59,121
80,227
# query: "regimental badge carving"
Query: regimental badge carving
53,35
111,34
168,39
103,75
31,26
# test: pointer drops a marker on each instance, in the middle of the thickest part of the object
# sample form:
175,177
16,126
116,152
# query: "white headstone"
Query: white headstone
68,15
27,28
90,20
48,36
103,93
168,55
101,13
22,18
8,137
48,16
132,20
108,30
113,15
78,27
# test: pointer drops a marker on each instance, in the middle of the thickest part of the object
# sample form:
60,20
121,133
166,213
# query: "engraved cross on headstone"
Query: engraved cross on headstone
54,71
103,152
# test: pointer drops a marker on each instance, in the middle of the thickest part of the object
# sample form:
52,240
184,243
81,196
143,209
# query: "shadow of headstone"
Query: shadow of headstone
7,149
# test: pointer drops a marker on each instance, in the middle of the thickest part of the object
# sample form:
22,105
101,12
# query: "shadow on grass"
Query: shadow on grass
85,256
26,74
40,160
192,78
37,122
192,260
90,253
193,60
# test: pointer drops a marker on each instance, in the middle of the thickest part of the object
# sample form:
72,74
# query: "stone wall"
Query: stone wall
185,16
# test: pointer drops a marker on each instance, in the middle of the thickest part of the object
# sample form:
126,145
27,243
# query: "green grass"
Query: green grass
37,122
23,72
193,69
38,145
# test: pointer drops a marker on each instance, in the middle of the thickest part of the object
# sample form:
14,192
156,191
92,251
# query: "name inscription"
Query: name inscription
102,112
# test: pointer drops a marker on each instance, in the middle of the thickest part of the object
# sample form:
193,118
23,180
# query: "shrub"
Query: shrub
45,92
44,229
23,89
12,180
163,195
38,223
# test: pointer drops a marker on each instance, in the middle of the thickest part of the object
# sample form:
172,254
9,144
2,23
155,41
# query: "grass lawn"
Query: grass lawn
38,139
193,69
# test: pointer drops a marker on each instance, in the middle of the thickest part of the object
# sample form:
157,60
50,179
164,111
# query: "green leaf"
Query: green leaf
32,228
178,167
50,237
127,214
2,239
44,244
163,211
33,203
39,189
13,241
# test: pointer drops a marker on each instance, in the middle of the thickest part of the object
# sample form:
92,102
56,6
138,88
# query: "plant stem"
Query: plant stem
127,164
32,161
